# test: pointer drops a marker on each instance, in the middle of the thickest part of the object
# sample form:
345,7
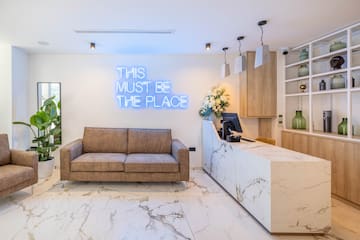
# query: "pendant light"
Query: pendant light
262,55
240,61
225,68
208,46
92,46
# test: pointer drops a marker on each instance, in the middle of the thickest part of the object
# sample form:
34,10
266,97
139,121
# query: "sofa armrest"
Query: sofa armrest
181,154
68,153
24,158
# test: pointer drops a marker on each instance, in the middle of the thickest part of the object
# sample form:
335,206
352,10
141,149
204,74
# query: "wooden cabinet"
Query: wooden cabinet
344,157
258,88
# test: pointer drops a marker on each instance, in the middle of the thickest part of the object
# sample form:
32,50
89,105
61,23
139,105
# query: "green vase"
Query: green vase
304,54
298,122
337,81
342,127
337,45
303,70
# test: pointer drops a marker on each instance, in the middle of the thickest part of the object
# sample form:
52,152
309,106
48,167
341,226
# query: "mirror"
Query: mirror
46,90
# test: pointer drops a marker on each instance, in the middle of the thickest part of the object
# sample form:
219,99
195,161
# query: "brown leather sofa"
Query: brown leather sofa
18,169
129,155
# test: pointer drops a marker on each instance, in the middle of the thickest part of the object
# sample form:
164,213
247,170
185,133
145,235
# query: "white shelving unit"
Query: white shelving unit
343,102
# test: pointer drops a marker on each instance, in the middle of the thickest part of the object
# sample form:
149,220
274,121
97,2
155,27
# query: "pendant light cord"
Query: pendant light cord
262,35
225,49
239,47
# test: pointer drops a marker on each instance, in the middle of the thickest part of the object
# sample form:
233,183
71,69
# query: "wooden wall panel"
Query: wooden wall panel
344,157
258,87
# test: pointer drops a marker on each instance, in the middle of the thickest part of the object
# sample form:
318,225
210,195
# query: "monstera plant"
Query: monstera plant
47,121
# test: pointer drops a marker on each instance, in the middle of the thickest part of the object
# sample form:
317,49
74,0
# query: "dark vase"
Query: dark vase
298,122
322,85
342,127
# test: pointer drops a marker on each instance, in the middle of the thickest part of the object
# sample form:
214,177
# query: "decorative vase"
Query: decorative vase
336,62
322,85
303,70
302,87
337,81
337,45
304,54
298,122
46,168
342,127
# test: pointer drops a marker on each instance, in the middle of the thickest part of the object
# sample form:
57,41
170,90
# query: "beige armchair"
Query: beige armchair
18,169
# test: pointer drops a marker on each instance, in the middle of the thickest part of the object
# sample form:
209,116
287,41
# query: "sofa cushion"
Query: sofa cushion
12,175
149,140
105,140
99,162
4,150
139,162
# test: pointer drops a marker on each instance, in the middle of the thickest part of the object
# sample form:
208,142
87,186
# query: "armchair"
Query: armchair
18,169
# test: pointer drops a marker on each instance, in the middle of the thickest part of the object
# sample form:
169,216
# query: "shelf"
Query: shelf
330,54
297,63
343,90
329,73
355,47
297,94
326,135
355,68
355,89
334,135
342,102
297,79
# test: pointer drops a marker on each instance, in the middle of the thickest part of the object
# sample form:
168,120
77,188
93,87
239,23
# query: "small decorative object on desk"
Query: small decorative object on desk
336,62
302,87
337,45
322,85
342,127
304,54
298,122
337,81
303,70
215,103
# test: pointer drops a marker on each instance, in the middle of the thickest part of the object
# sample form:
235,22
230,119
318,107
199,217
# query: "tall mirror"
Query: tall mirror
46,90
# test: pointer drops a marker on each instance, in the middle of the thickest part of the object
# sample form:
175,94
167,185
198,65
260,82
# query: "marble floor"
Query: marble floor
199,210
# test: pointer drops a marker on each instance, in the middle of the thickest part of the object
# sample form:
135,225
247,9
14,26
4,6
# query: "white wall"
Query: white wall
20,134
280,97
87,83
5,90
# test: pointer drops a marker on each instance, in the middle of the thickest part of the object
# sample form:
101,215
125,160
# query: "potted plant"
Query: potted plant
47,120
214,104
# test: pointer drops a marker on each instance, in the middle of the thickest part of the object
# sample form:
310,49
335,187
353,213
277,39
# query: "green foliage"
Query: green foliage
48,123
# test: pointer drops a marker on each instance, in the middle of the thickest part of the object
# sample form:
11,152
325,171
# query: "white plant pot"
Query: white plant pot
45,168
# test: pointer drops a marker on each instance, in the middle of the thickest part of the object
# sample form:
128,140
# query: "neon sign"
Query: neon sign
134,90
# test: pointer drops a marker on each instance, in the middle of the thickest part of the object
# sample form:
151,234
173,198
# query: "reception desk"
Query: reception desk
286,191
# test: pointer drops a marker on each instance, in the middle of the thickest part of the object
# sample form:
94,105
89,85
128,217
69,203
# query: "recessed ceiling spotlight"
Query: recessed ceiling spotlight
43,43
208,46
92,46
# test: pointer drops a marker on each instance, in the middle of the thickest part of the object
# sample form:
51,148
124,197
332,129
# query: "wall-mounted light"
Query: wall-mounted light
240,61
225,68
92,46
207,46
262,55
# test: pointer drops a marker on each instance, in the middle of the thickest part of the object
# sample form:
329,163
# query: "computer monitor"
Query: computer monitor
230,123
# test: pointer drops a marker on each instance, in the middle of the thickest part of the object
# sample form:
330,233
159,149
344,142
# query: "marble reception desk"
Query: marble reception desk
286,191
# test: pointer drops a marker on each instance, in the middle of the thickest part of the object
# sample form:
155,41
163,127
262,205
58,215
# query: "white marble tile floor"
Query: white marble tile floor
198,210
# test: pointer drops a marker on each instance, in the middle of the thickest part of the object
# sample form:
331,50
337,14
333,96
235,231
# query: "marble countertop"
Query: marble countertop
269,152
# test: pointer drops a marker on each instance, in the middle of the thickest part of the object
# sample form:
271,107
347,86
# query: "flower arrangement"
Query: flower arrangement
215,102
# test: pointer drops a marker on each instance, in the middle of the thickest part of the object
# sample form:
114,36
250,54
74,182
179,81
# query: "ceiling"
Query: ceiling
195,22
